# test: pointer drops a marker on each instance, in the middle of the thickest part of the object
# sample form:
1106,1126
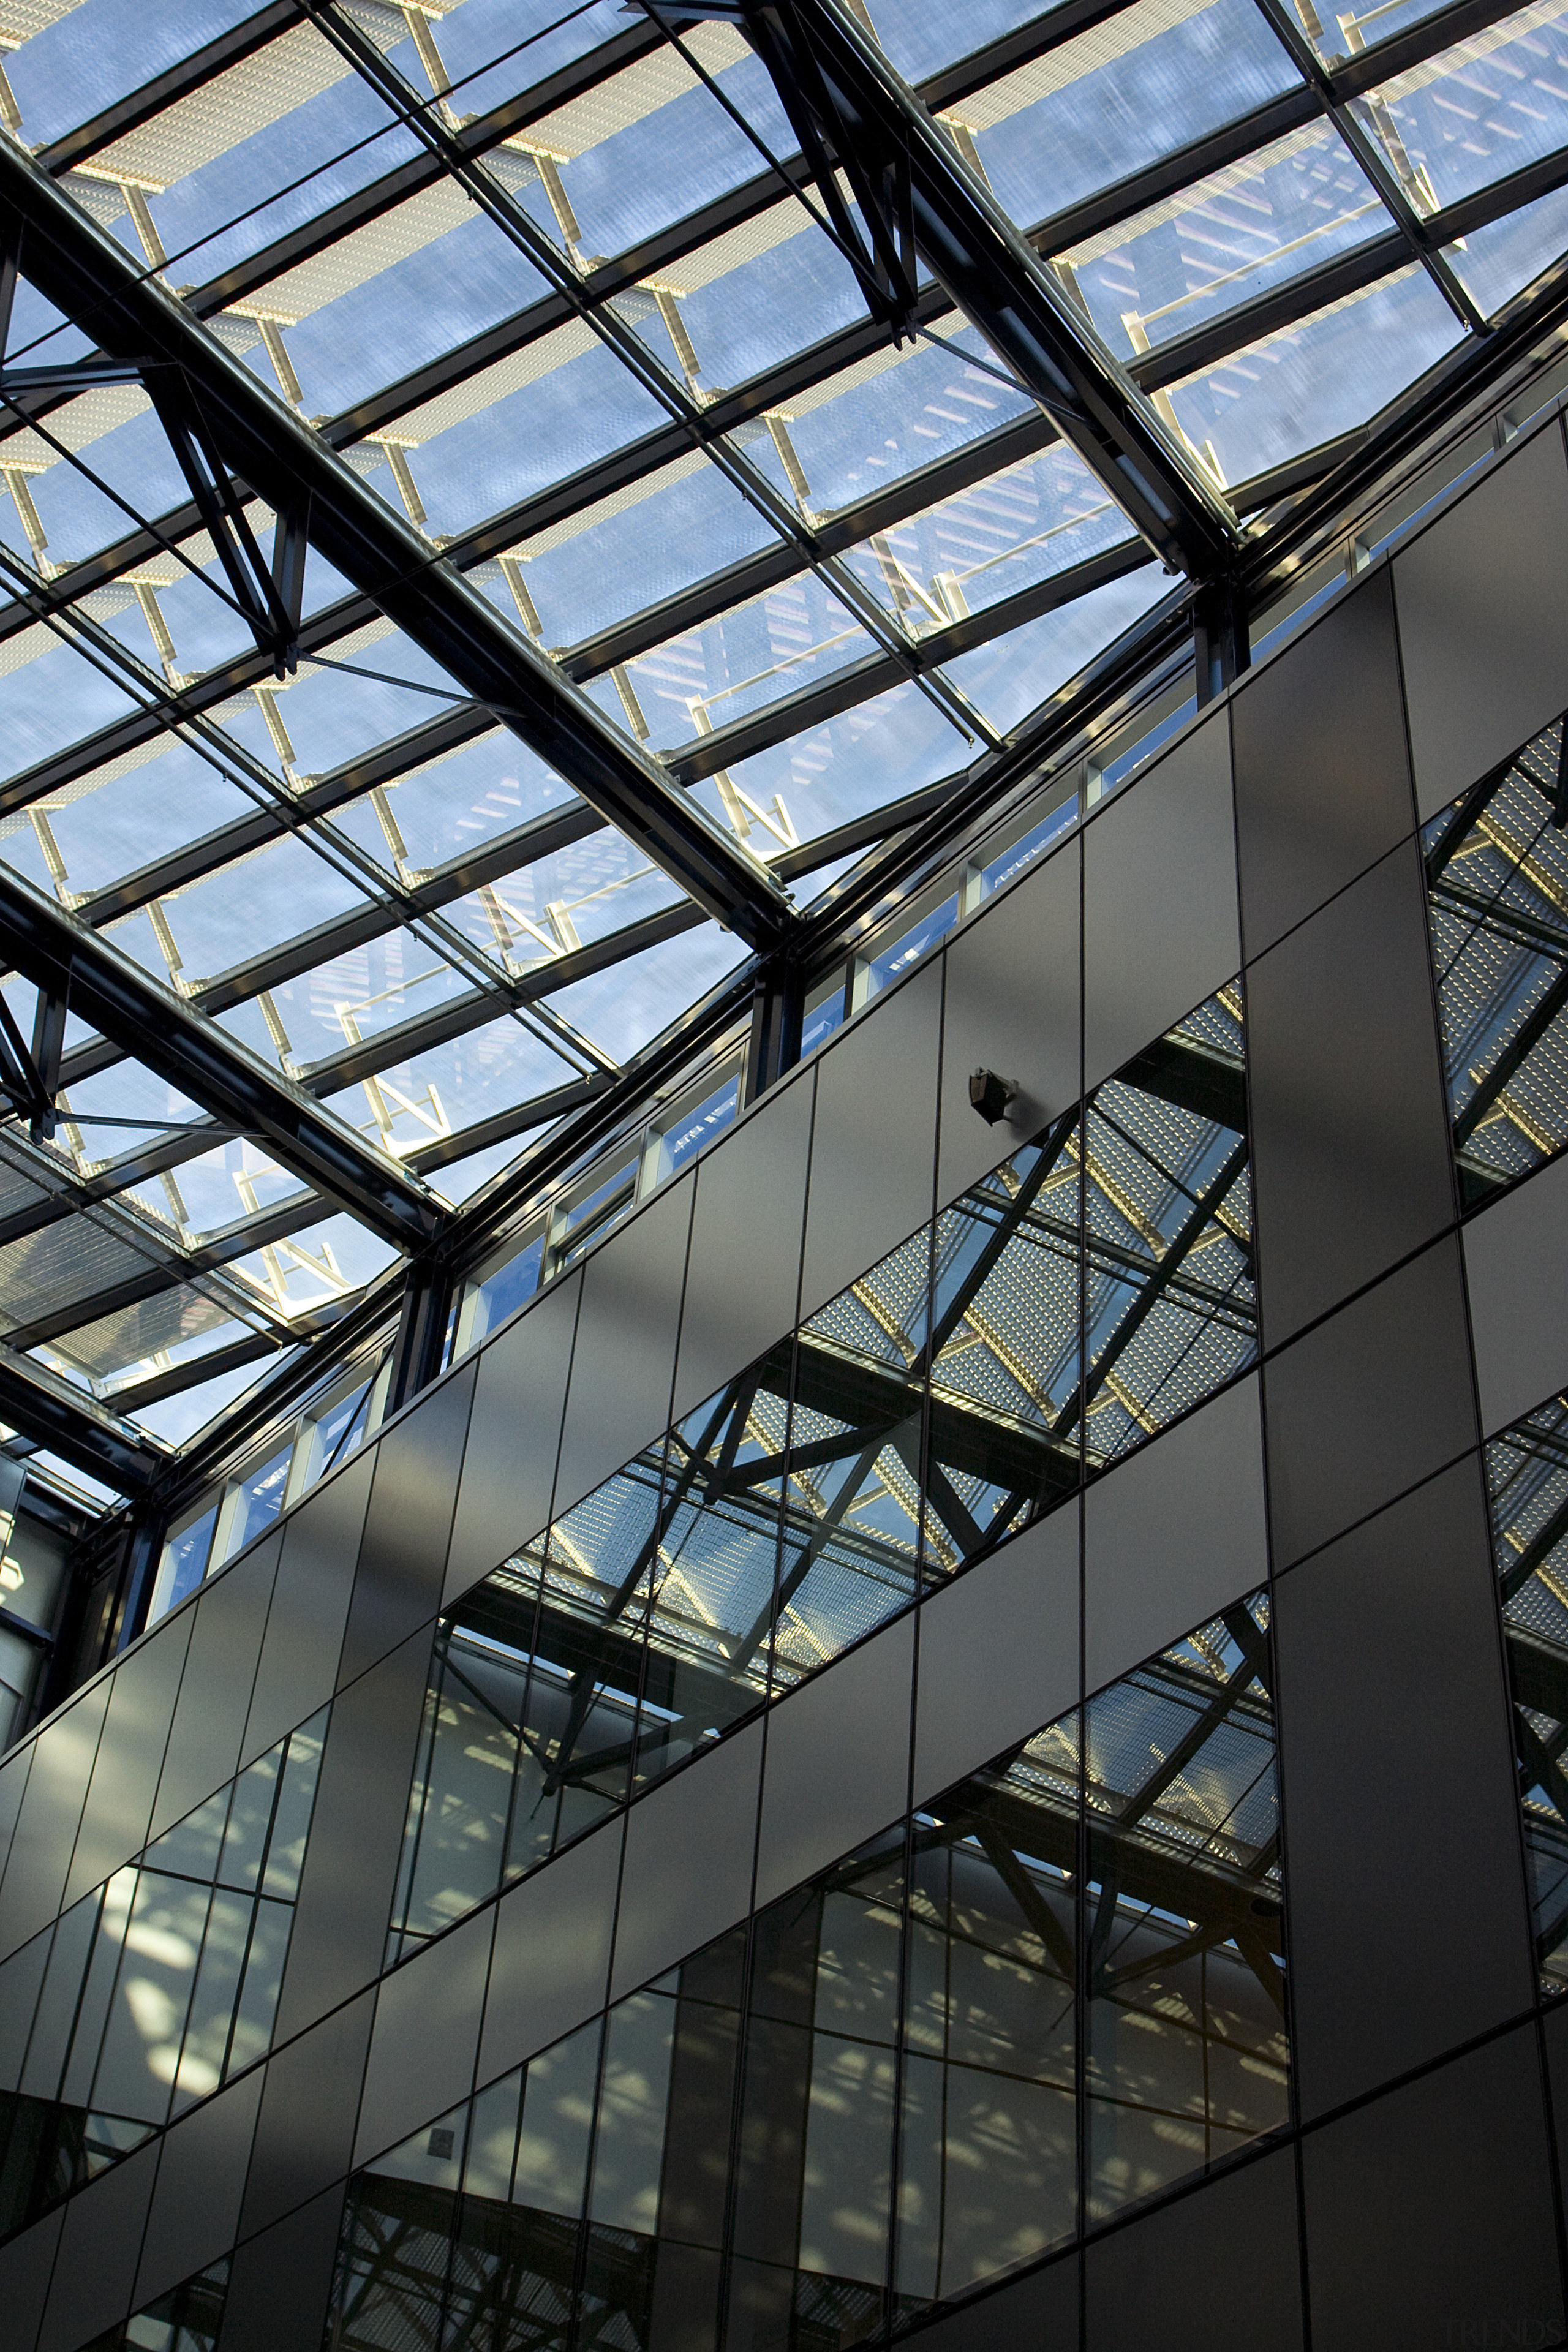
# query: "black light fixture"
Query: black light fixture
990,1094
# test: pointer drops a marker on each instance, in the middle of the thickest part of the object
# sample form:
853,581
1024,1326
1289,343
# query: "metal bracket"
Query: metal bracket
778,1008
880,245
269,598
30,1079
1222,637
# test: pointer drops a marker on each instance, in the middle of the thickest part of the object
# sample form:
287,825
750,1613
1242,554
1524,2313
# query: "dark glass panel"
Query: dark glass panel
1187,2051
1527,1471
1496,884
930,1409
188,2319
162,1984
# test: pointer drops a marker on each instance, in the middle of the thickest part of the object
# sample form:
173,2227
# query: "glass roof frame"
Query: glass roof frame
803,545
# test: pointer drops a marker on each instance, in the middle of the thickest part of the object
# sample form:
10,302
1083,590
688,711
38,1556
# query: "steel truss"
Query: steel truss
243,441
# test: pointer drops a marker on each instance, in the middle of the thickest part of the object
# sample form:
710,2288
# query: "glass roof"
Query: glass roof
527,269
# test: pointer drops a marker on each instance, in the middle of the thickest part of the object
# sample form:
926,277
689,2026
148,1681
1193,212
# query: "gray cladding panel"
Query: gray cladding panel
688,1870
1173,1534
1516,1268
550,1964
13,1781
838,1760
1181,2262
1368,1402
1428,2213
1160,928
743,1275
1483,621
998,1653
280,2282
25,2266
195,2217
1037,2313
402,1554
1322,774
299,1668
130,1756
356,1837
305,2132
427,2036
623,1359
874,1142
214,1689
95,2269
1392,1710
46,1826
1012,1005
514,1435
1350,1133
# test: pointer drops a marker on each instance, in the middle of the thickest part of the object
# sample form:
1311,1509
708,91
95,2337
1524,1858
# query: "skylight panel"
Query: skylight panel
867,427
69,59
54,697
1014,674
921,39
52,515
550,909
338,1001
728,668
412,285
153,1329
454,807
1243,231
449,1086
474,56
1142,84
1479,112
318,1267
1338,35
741,303
839,770
117,819
257,151
1313,380
642,149
658,535
1496,263
989,542
627,1004
536,417
192,936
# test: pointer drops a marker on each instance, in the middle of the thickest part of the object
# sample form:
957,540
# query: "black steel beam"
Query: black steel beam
51,948
86,274
77,1430
998,281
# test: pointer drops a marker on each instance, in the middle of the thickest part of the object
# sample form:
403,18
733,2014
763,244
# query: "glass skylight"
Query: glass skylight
539,285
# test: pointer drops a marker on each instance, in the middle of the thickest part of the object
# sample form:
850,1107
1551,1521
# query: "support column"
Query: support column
1221,638
778,1006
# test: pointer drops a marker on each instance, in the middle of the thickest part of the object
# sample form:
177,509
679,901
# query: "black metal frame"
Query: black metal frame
242,440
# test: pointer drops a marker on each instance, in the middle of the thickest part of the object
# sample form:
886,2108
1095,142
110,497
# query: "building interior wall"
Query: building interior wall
1325,1500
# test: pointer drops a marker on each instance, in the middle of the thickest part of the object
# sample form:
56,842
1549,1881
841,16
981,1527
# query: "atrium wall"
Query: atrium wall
1317,1499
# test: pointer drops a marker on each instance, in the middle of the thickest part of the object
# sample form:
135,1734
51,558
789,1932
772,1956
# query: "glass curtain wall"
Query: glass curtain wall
154,1990
1096,1285
1048,1993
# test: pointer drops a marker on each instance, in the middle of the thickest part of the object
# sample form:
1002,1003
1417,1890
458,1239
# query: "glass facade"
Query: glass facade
1497,881
154,1990
1527,1471
887,2087
1090,1290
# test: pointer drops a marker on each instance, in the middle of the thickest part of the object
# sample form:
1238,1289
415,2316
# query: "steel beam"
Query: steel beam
82,269
998,281
80,1433
51,948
